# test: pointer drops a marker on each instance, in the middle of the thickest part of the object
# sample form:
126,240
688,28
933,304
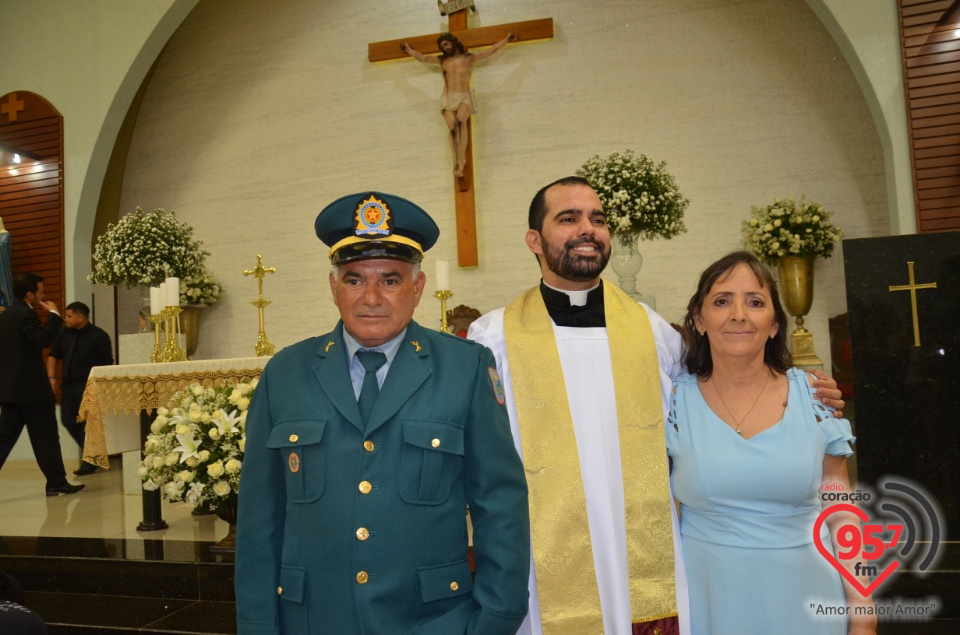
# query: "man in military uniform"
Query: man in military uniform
364,448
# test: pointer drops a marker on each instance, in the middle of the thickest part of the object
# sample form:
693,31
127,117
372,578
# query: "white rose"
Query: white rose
142,472
205,417
221,488
162,412
192,461
156,427
243,403
233,466
157,462
186,476
215,469
203,455
182,428
171,459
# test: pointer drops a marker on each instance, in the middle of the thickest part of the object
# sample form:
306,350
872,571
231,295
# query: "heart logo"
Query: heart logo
832,559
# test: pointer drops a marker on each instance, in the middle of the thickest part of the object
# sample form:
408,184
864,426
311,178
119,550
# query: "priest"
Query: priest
587,376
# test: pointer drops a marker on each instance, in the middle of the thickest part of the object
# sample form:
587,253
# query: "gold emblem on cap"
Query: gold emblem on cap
372,217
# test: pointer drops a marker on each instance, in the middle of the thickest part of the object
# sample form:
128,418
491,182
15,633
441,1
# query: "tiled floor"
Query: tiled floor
99,511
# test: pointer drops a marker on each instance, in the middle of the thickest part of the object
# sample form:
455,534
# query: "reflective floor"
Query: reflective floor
101,510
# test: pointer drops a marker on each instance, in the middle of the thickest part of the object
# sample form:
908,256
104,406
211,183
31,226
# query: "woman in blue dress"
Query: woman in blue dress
751,447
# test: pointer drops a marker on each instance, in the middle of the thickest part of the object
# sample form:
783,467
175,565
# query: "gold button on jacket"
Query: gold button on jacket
365,487
362,577
363,533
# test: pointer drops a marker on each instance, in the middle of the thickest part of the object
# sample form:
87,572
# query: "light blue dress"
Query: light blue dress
747,510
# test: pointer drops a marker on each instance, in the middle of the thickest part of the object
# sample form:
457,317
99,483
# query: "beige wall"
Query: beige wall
255,118
260,113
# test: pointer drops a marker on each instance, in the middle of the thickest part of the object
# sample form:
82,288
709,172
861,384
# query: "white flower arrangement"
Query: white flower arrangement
641,199
790,228
194,452
201,289
144,248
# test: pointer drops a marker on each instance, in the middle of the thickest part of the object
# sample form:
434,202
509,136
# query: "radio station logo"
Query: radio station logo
904,531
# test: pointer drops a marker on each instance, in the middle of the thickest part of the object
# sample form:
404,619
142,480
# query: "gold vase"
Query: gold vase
190,325
796,289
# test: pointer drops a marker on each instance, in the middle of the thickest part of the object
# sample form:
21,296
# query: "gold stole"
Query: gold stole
562,554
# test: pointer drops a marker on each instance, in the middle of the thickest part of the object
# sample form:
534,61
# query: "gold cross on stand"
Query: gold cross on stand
456,12
12,107
912,288
264,348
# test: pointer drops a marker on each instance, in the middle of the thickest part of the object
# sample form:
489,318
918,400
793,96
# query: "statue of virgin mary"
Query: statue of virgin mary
6,277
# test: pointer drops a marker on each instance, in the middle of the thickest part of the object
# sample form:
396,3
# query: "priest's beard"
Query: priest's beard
569,265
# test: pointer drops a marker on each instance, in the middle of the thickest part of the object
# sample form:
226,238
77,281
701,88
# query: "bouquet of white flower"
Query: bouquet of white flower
194,451
144,248
200,289
641,199
789,228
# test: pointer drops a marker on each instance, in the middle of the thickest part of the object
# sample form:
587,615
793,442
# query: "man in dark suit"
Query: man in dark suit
26,398
81,346
364,447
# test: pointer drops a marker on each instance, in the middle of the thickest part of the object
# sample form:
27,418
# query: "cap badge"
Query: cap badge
373,218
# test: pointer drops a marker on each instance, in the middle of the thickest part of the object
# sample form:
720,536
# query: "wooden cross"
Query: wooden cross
12,107
912,288
427,44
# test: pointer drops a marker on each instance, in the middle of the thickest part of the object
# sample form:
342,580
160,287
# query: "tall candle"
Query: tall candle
173,291
163,294
156,305
443,275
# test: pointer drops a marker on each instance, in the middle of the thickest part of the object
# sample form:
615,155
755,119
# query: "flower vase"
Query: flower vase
227,512
796,286
190,326
626,261
143,306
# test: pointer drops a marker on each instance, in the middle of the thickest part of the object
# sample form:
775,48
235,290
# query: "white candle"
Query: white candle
443,275
155,304
163,294
173,291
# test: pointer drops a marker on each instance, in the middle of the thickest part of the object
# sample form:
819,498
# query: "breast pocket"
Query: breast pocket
430,462
303,455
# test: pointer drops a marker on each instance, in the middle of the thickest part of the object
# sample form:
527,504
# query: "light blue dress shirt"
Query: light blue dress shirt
356,368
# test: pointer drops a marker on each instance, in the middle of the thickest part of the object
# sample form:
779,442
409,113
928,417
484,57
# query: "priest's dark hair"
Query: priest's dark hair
538,206
696,357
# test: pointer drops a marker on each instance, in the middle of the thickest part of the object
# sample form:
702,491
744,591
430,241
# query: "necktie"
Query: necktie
371,361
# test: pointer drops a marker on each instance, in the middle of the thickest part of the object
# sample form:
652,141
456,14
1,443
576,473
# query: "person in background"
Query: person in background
81,346
26,398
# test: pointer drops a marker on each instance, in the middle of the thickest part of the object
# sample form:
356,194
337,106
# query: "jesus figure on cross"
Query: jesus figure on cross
458,102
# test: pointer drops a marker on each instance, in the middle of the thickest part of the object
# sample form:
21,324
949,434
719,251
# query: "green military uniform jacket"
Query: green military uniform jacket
349,531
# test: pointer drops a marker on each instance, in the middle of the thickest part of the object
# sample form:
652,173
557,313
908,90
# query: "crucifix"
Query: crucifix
423,45
264,347
912,288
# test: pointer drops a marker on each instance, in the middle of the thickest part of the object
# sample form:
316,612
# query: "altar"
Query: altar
120,402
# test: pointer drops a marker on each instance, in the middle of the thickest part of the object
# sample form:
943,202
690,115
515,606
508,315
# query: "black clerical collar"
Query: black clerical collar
564,314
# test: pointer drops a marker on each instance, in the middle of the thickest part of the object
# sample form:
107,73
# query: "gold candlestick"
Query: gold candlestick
171,350
443,296
157,355
264,347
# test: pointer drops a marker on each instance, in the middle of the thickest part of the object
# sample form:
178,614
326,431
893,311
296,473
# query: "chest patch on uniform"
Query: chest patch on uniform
497,385
294,462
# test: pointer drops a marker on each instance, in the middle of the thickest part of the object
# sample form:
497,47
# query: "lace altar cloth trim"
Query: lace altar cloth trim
145,387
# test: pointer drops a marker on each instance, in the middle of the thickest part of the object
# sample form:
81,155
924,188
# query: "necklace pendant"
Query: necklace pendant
739,429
